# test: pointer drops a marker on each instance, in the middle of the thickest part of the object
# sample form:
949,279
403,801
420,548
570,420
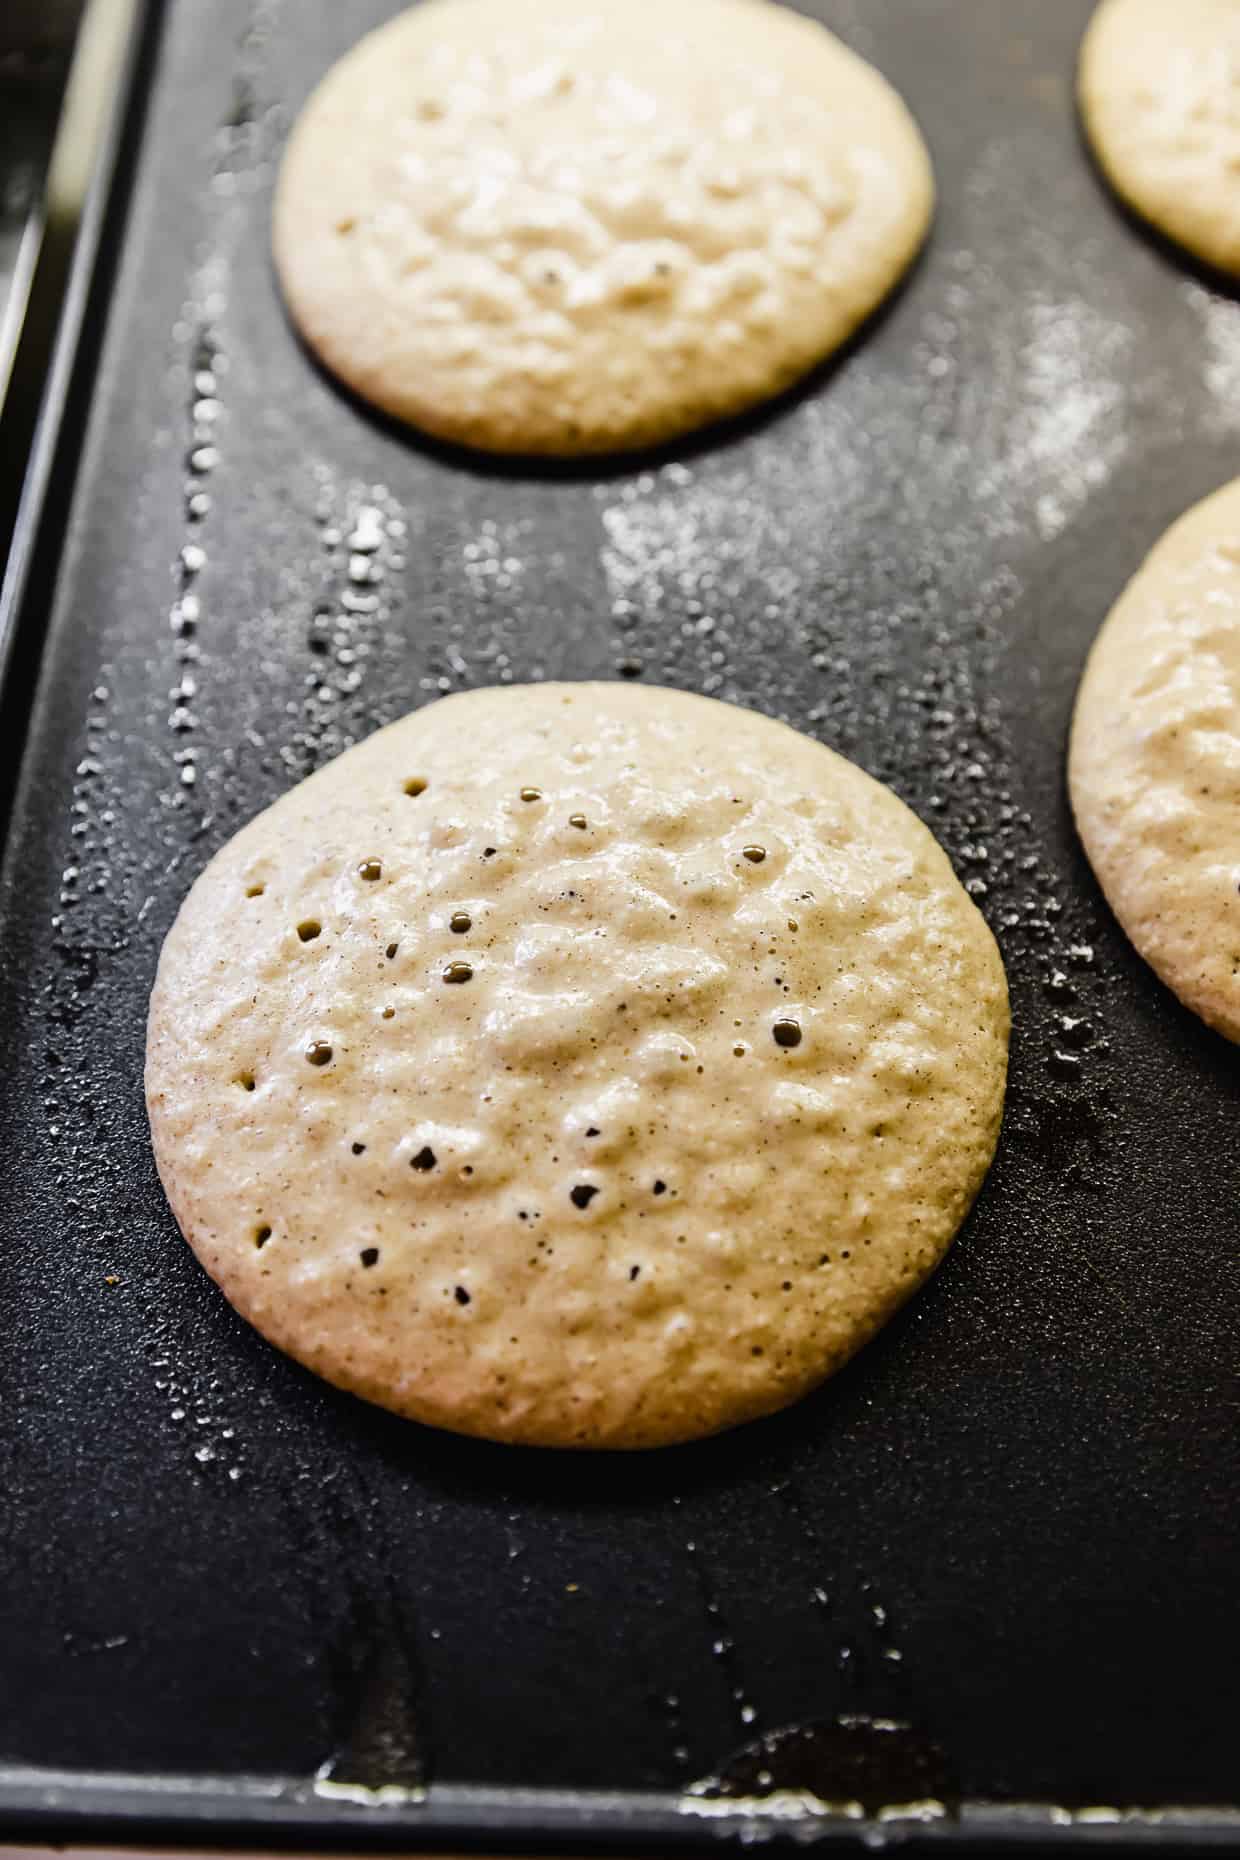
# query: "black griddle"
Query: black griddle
993,1563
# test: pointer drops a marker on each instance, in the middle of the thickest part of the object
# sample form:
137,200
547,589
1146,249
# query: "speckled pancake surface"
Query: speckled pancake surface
1154,765
549,226
577,1064
1159,87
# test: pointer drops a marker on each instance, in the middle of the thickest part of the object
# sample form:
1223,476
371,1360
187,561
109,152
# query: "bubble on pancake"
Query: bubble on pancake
772,1087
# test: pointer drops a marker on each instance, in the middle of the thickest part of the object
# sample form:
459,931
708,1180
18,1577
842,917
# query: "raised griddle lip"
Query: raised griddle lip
238,1808
233,1811
29,570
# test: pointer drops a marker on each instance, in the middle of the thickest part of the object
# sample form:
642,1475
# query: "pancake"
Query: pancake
1159,88
1154,763
577,1065
533,226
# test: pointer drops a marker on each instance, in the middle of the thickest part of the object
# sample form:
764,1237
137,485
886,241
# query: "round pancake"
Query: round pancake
1159,87
579,1065
1154,763
538,226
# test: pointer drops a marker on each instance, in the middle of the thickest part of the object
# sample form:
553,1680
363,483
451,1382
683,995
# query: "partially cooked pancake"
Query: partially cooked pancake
541,226
585,1065
1155,759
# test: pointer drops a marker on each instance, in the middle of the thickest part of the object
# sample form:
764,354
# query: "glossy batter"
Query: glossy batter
577,1065
555,227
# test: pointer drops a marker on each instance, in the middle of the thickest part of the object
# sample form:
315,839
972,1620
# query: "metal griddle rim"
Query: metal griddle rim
29,575
50,1805
59,1804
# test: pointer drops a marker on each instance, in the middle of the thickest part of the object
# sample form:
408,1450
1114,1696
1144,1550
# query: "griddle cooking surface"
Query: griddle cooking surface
1011,1524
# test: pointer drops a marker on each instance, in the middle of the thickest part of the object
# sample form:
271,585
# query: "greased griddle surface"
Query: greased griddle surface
1011,1523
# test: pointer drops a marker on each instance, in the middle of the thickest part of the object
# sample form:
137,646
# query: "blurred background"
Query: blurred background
59,62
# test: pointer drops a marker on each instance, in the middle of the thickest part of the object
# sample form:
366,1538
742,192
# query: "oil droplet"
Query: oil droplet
531,794
318,1052
370,869
458,972
755,854
578,820
460,922
870,1761
367,536
787,1033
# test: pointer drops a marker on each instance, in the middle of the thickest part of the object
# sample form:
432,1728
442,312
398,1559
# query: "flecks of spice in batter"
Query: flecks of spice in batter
896,658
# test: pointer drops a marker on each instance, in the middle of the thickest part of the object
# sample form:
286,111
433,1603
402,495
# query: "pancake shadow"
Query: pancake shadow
1154,999
1172,484
1170,251
607,467
456,1466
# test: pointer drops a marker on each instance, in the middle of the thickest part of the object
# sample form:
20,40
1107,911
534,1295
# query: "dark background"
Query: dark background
1012,1521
